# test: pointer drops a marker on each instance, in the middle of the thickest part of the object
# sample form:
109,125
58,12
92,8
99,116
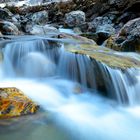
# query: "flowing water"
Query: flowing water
65,85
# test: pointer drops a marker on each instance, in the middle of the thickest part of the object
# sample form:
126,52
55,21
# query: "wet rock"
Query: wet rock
77,38
90,35
112,44
14,103
8,28
104,55
75,18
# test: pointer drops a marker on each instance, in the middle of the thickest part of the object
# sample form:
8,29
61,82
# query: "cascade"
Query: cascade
69,87
42,58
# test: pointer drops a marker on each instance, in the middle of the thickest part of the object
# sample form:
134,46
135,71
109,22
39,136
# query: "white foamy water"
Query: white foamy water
85,116
65,85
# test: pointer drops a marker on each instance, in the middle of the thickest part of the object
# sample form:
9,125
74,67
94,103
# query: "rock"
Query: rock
14,103
76,38
104,55
99,21
104,32
8,28
5,14
131,32
41,30
90,35
125,17
128,38
75,18
111,43
103,27
129,26
39,17
119,3
107,29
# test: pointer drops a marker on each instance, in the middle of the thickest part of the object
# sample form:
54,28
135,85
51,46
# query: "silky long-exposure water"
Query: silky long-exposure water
71,107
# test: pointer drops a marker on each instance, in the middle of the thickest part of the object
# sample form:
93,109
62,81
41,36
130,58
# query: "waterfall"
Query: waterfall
42,58
84,99
30,58
122,85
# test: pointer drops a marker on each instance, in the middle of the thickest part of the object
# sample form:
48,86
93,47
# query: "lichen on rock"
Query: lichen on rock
14,103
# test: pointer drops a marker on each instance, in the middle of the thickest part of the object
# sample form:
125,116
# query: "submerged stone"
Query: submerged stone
14,103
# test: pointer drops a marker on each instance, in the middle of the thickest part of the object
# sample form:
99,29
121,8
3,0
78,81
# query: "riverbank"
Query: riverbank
112,23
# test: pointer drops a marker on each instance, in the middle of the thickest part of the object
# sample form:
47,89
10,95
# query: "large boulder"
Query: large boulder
128,38
75,18
14,103
127,29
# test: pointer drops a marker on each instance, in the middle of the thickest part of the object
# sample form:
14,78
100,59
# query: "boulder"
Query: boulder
128,38
99,21
14,103
41,30
112,44
104,32
40,17
75,18
102,27
127,29
8,28
5,14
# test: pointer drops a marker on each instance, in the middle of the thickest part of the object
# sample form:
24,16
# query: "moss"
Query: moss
110,43
104,55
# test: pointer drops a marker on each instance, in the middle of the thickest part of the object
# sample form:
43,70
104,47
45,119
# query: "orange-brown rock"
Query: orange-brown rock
14,103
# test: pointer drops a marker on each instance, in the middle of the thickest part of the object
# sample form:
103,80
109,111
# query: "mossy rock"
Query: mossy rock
110,43
104,55
14,103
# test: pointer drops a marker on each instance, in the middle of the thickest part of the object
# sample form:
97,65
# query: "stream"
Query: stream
70,109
